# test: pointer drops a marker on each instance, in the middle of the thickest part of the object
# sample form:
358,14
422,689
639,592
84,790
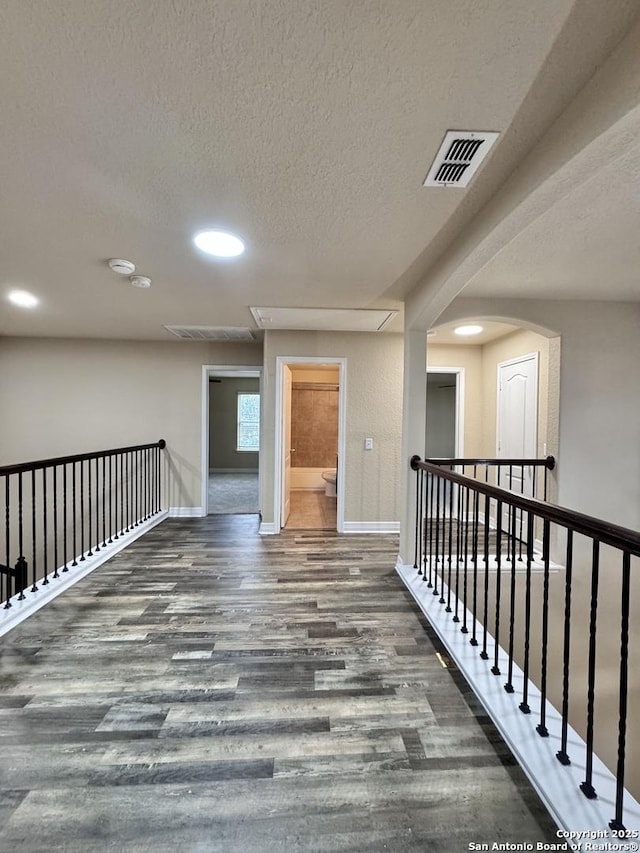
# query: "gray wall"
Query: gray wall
62,396
223,455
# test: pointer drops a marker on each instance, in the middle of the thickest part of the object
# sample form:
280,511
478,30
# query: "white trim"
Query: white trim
371,527
281,361
557,785
233,471
267,528
187,512
459,371
223,371
21,610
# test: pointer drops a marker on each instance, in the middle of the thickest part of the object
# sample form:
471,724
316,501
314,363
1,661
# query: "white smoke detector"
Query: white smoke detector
122,267
140,281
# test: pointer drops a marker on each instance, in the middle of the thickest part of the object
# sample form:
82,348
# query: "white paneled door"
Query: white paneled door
517,431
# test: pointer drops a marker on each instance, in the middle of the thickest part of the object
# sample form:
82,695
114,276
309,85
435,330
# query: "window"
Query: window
248,436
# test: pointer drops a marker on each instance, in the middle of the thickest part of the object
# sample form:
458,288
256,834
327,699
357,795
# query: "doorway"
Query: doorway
309,482
445,412
231,404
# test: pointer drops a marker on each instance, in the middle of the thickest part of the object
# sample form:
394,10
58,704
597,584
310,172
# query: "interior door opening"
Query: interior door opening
444,419
231,441
311,434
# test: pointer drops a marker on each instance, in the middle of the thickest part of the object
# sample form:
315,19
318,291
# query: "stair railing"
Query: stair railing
58,512
472,536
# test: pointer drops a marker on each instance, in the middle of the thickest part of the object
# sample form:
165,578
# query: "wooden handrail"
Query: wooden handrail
549,462
78,457
602,531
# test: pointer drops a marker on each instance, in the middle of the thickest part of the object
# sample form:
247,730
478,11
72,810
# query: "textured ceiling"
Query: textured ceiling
306,127
586,246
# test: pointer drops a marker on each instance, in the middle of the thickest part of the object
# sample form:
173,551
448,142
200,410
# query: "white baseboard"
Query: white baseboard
186,512
267,528
233,471
33,601
371,527
557,785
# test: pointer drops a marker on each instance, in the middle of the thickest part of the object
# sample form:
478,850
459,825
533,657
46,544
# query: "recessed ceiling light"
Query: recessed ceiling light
23,299
467,331
220,244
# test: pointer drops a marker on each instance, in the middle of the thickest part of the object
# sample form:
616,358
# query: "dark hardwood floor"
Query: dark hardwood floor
209,689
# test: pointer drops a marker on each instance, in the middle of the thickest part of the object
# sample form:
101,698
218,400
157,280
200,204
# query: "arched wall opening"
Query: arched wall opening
502,341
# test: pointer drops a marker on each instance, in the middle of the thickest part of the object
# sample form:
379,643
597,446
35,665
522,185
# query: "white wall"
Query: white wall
598,445
373,409
61,397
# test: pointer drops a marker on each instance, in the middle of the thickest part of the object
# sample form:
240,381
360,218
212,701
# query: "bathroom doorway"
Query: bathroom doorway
311,433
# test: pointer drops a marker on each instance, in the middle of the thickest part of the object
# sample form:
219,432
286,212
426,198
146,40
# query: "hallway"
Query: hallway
209,689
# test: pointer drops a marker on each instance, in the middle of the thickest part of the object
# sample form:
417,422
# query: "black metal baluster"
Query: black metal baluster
495,669
524,705
465,569
545,484
476,536
533,486
34,539
7,544
133,490
484,654
113,498
512,605
437,536
450,486
587,786
97,495
430,484
456,617
104,501
75,541
126,490
121,455
89,552
82,556
511,512
55,522
541,728
418,539
45,579
64,518
21,565
562,754
146,485
141,486
616,823
519,513
443,527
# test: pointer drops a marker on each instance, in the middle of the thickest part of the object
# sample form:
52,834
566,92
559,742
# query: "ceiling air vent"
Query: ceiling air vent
228,334
459,157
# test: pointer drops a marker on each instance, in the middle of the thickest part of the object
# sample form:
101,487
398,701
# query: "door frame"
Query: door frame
459,436
282,360
224,371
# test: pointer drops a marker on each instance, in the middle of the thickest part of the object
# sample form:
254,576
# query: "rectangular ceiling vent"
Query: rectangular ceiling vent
459,157
228,334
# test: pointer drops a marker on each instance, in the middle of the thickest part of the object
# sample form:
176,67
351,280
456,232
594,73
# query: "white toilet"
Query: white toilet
330,478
